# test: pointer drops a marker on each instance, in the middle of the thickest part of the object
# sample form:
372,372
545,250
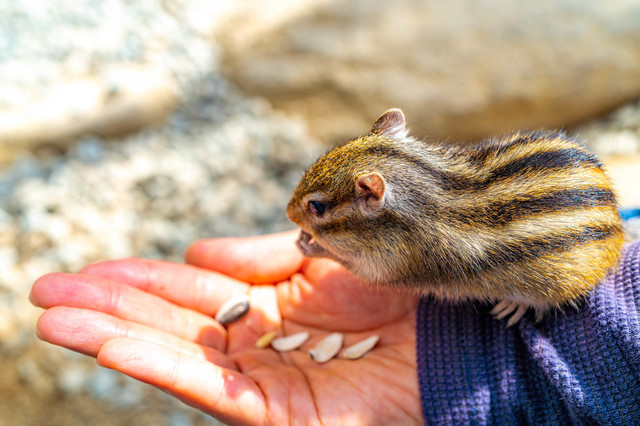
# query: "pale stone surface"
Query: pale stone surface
458,69
625,173
109,67
125,99
616,139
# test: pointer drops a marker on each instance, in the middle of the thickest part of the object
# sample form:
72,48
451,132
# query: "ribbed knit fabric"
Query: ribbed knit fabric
577,366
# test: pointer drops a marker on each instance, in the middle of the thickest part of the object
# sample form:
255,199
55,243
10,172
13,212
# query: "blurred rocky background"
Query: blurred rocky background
134,128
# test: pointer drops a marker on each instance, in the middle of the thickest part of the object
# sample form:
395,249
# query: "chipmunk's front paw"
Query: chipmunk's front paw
506,308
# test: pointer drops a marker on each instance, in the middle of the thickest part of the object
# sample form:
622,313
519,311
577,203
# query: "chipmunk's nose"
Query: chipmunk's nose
292,212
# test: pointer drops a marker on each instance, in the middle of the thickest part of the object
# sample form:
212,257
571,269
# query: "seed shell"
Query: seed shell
233,309
289,343
265,340
327,348
358,350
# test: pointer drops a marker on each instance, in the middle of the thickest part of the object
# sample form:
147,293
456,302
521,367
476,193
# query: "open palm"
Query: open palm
153,321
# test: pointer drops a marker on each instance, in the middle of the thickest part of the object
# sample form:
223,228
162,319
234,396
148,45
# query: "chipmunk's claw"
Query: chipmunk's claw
506,308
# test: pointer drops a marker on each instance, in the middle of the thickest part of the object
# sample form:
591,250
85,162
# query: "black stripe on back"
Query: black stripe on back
502,213
534,248
558,159
480,153
565,158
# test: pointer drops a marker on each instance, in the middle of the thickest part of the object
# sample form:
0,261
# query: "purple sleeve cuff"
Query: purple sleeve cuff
577,366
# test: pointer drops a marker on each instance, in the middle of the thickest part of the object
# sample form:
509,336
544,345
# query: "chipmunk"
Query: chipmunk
527,220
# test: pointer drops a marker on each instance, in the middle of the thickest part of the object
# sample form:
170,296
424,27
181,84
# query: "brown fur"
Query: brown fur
529,218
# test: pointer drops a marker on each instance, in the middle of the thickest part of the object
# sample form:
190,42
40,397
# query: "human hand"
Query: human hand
152,320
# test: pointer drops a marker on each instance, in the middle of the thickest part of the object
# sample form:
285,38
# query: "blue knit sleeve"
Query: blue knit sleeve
577,366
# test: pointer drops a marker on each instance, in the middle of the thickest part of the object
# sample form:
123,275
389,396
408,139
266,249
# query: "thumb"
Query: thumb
264,259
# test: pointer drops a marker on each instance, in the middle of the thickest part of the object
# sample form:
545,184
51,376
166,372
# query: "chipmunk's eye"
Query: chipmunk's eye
317,207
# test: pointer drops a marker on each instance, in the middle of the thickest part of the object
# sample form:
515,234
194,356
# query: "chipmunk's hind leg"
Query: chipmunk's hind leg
506,308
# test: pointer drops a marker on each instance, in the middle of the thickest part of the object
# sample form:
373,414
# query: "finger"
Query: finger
129,303
226,394
85,331
265,259
185,285
326,294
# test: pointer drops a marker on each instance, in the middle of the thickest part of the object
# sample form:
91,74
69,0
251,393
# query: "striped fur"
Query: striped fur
530,218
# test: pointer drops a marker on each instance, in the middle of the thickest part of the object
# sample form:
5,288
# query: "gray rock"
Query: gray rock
458,69
32,374
72,379
104,383
89,150
109,68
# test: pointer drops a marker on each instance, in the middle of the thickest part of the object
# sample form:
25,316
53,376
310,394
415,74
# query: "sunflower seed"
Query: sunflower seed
327,348
357,350
265,340
233,309
289,343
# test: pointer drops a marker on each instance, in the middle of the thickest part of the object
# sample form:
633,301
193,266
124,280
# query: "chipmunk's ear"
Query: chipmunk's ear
391,124
371,188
